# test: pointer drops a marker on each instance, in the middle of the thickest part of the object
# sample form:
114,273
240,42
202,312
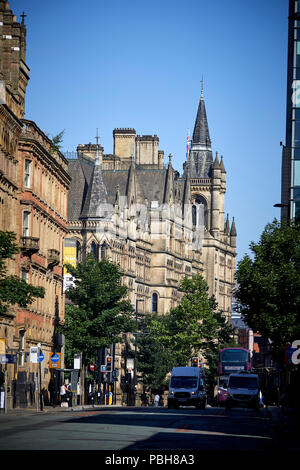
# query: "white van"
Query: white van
187,387
243,390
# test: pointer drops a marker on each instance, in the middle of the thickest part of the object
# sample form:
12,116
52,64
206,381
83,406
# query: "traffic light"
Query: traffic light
128,378
108,363
195,362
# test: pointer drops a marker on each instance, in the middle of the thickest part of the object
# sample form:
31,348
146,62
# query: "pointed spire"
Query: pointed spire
96,198
226,230
216,164
201,132
233,229
168,196
131,189
222,165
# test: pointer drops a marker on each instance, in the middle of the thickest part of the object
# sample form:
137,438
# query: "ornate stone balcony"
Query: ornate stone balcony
53,258
29,245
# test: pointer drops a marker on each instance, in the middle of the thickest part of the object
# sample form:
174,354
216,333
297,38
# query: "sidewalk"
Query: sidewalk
58,409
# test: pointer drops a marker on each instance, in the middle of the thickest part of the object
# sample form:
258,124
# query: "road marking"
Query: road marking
215,433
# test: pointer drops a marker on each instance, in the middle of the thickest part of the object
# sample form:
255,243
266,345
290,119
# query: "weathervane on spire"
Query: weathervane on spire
97,162
202,86
97,137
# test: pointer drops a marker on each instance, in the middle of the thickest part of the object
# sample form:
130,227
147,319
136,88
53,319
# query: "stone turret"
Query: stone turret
90,151
147,150
216,197
124,143
13,69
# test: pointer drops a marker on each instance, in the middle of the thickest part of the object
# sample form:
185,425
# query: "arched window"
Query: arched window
78,252
94,250
202,216
154,302
194,214
104,247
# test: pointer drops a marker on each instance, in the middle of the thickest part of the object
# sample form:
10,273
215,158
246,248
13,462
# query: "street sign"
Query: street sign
8,358
77,361
42,356
54,361
55,357
103,368
92,367
33,354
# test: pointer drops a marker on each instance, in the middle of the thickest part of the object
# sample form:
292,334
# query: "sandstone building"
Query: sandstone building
158,225
33,203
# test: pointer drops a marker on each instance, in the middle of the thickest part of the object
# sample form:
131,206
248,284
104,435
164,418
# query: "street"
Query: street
134,429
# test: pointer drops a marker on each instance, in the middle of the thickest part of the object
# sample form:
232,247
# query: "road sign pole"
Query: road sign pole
5,389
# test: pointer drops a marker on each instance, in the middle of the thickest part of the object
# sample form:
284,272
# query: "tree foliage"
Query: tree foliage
194,326
13,290
99,312
268,293
57,141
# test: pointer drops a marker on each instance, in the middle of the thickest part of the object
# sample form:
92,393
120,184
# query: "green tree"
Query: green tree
99,312
13,290
56,142
195,325
268,293
154,359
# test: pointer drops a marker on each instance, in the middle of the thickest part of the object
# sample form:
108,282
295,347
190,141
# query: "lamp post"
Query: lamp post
135,347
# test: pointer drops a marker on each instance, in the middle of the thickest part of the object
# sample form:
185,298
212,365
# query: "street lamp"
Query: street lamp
135,347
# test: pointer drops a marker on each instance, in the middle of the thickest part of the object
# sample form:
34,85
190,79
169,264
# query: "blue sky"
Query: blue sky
106,64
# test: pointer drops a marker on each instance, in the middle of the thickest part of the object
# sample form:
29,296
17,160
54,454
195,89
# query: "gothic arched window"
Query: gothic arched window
78,252
154,302
94,250
104,247
200,217
194,214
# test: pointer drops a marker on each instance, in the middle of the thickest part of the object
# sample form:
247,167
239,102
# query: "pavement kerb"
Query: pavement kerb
51,409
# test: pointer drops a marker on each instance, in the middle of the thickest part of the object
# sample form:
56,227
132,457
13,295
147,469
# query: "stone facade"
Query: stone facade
158,225
33,204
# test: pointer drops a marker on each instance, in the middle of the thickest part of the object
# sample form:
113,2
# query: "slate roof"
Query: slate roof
87,188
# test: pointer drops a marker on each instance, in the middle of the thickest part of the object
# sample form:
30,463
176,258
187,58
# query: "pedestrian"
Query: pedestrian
62,394
156,399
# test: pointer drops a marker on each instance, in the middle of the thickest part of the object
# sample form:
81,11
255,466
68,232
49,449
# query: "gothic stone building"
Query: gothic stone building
158,225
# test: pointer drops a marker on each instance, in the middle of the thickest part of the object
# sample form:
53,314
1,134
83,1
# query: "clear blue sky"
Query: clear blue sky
106,64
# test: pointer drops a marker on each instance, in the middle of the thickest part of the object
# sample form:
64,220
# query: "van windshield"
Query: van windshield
243,382
183,382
